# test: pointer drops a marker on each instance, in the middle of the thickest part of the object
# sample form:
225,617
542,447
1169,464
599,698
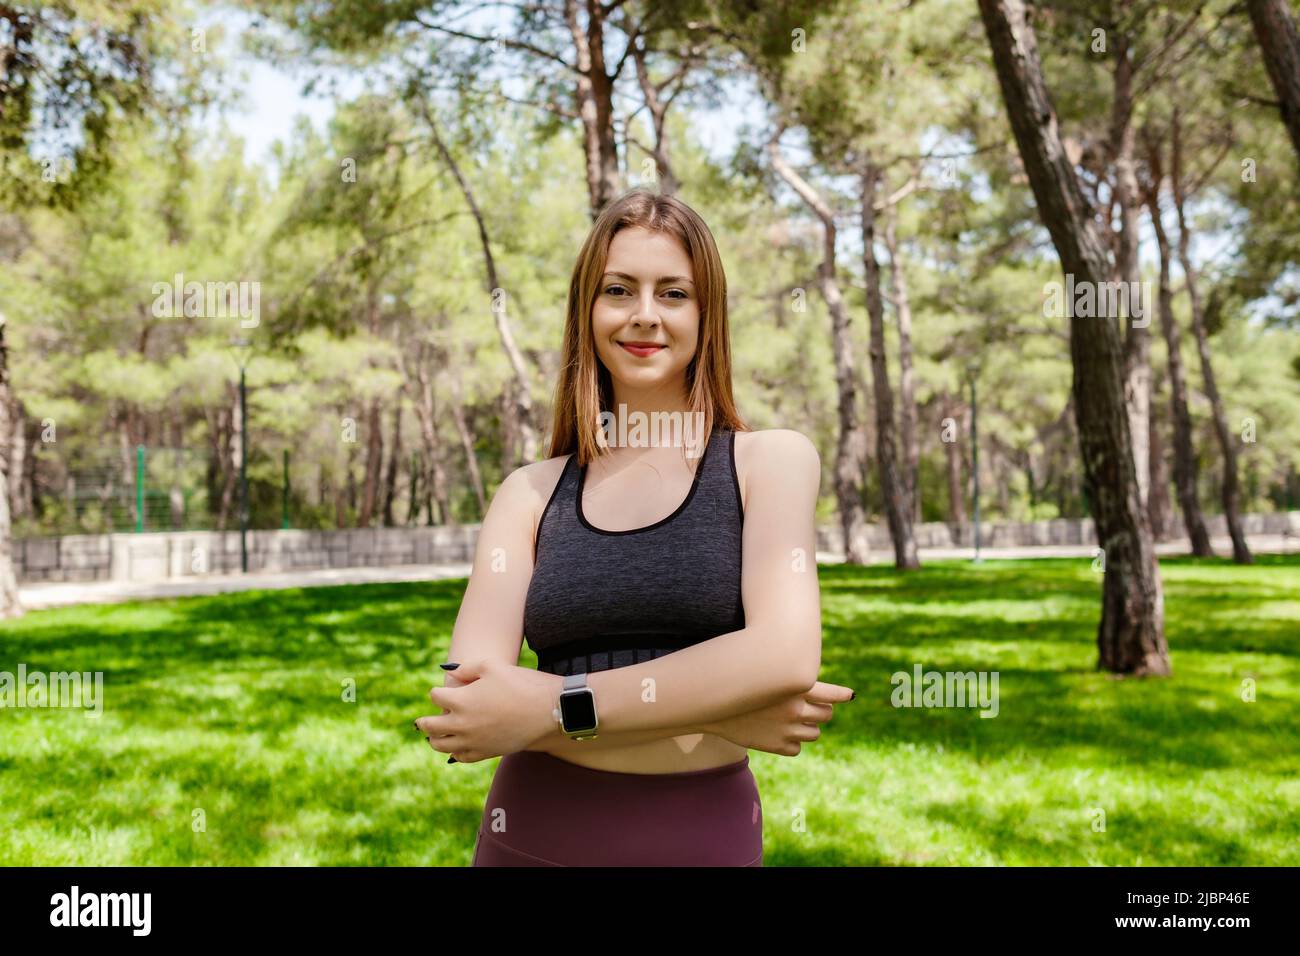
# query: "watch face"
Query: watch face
578,710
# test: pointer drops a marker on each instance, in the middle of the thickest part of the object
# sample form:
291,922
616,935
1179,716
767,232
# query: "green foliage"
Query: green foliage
74,74
371,270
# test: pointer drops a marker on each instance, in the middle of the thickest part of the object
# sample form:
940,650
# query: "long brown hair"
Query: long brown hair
585,388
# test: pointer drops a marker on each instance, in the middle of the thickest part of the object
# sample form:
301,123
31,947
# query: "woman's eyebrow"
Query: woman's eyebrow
629,278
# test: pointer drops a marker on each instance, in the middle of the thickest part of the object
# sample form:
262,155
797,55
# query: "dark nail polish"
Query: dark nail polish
853,695
452,760
415,725
449,667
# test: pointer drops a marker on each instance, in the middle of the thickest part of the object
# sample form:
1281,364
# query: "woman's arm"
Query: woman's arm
556,741
778,652
489,624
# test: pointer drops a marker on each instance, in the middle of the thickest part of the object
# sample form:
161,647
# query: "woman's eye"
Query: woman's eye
677,293
614,290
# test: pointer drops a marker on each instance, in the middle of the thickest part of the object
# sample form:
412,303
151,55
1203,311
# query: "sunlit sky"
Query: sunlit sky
273,97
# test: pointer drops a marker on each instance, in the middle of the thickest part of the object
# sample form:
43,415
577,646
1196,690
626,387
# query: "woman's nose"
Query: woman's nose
645,309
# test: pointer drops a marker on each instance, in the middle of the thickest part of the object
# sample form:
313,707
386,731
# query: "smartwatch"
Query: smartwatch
577,711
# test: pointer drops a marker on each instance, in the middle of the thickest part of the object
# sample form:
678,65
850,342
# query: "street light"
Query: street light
972,372
243,353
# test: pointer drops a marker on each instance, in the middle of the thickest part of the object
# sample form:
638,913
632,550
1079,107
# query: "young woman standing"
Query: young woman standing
669,589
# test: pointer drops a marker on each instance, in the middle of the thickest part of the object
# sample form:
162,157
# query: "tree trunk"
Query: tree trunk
906,389
341,501
658,107
19,504
1231,510
594,96
1130,635
374,464
394,457
1159,507
30,488
1031,482
467,443
893,486
850,456
520,408
126,461
1280,47
175,493
952,453
212,467
438,478
999,462
374,424
230,457
10,605
1185,466
1137,341
435,479
413,505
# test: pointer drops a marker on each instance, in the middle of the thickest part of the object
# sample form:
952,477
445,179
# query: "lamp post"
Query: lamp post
972,370
242,349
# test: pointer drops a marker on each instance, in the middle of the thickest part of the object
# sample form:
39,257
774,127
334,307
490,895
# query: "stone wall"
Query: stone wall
154,555
1058,531
158,555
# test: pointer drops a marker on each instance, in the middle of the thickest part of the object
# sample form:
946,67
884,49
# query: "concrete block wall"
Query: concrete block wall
175,554
1057,531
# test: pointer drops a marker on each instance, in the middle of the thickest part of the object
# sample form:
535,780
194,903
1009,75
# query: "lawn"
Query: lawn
228,736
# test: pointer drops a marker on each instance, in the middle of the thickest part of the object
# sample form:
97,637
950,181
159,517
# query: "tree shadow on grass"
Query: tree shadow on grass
1051,695
172,664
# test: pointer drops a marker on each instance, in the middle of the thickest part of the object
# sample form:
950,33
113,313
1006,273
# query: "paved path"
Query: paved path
35,596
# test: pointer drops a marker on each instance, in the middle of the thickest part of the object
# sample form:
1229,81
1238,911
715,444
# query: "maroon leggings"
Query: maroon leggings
545,811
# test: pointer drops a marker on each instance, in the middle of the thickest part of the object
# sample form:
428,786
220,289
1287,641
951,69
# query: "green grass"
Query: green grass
234,706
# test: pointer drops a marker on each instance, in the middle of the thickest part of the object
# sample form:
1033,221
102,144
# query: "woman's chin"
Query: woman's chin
642,377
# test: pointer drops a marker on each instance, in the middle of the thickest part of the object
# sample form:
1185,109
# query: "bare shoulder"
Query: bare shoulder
768,449
529,487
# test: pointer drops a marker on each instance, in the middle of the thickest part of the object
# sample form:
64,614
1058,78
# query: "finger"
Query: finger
465,674
444,697
816,713
436,726
471,670
823,693
806,732
451,744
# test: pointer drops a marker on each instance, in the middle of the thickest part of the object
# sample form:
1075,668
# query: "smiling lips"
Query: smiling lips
642,349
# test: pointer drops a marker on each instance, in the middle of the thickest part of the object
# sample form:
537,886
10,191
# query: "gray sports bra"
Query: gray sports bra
602,599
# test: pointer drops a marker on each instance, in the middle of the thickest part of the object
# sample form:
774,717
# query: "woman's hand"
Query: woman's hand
492,709
782,728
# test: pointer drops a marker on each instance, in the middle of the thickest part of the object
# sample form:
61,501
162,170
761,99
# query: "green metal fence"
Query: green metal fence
111,489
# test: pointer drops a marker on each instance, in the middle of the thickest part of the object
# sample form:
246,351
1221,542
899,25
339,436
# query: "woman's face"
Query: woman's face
647,295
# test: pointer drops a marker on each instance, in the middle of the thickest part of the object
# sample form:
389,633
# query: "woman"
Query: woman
622,564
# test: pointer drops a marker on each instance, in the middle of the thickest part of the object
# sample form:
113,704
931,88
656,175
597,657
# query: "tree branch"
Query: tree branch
504,41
